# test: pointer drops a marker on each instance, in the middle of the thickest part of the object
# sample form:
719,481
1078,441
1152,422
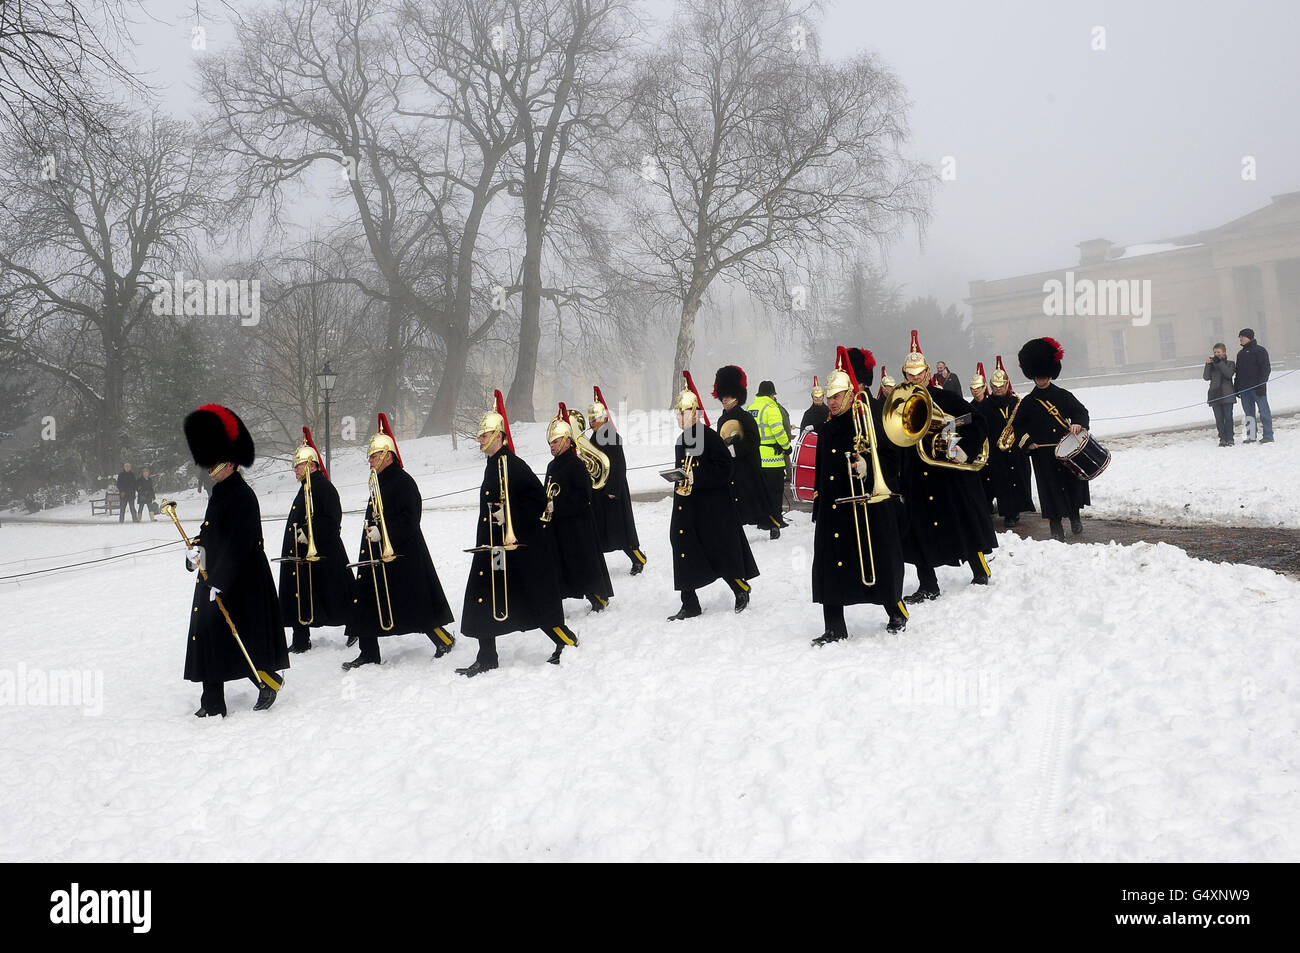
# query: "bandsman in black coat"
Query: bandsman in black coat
403,594
230,548
817,412
313,592
842,567
948,520
708,541
513,582
1006,476
569,520
612,504
739,431
1044,416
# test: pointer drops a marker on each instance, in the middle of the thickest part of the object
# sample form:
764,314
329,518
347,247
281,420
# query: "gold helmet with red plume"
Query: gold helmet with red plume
382,440
915,363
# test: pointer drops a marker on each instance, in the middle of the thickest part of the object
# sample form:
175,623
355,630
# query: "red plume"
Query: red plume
868,358
843,363
690,382
227,420
563,415
916,344
306,435
1010,388
1060,351
384,428
501,409
979,369
744,381
814,381
609,417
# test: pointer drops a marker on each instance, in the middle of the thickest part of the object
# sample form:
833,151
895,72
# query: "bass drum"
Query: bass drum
1082,455
805,466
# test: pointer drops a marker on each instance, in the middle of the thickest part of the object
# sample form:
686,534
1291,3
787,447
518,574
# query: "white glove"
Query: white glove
860,466
213,593
499,514
372,534
194,556
302,537
958,454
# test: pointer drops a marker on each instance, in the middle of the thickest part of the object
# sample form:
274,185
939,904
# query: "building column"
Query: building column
1272,308
1229,303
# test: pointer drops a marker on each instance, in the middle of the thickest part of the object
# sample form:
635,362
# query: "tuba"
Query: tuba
910,418
592,456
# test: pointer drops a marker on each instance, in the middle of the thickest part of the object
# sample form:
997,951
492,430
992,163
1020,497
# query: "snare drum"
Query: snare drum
805,466
1082,455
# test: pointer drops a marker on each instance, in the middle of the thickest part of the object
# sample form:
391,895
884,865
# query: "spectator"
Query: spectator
1252,384
1219,371
948,378
144,495
126,494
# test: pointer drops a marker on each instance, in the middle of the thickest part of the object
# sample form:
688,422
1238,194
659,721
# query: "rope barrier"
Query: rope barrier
1200,403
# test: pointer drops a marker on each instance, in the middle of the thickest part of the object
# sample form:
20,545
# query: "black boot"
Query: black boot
685,612
266,697
829,636
443,642
203,713
597,603
775,533
638,560
555,656
897,623
1010,521
475,669
1076,525
352,640
742,599
358,662
1058,533
923,594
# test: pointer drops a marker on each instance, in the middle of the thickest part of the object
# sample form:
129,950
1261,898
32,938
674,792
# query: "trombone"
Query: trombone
311,557
866,443
552,491
507,543
386,554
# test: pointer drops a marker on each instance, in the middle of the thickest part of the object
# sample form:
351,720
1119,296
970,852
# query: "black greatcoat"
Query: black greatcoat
947,511
836,574
748,489
1060,492
414,590
611,505
814,415
707,538
1007,473
326,585
533,584
235,559
581,566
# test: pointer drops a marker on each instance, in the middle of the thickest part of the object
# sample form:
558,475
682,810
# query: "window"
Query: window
1168,351
1117,350
1214,327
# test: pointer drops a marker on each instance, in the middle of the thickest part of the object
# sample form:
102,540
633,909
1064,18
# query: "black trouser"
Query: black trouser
691,600
928,580
213,699
833,619
487,645
637,557
121,511
301,636
369,648
774,480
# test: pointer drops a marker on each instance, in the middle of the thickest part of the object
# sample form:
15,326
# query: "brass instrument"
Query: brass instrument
910,418
386,554
1008,437
593,457
552,491
685,486
865,443
311,557
731,432
499,550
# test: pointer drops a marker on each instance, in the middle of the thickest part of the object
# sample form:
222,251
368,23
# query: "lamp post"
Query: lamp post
327,378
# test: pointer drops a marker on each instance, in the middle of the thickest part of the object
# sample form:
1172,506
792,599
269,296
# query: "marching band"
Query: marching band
910,474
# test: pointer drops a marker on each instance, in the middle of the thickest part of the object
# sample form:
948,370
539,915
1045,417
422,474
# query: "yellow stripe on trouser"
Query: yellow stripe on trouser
564,636
744,587
446,639
984,565
903,609
640,556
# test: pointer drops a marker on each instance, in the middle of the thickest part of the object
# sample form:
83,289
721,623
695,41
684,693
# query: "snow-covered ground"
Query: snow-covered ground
1097,702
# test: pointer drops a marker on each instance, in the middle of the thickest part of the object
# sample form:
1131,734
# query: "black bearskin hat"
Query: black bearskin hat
864,365
217,435
1041,357
730,382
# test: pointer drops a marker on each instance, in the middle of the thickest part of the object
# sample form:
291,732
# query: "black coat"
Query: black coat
126,485
1219,373
572,526
235,559
1253,368
951,384
707,540
947,512
414,591
748,489
814,415
838,566
144,493
1060,491
327,589
1006,476
532,584
612,504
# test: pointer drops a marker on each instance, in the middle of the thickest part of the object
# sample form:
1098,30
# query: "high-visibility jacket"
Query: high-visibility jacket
773,438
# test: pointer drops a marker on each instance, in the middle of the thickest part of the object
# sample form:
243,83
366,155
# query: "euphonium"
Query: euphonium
910,418
386,554
593,458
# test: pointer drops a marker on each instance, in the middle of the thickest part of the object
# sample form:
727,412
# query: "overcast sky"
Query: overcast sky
1052,141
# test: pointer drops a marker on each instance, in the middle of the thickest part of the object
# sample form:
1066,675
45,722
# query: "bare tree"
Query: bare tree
88,225
753,153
